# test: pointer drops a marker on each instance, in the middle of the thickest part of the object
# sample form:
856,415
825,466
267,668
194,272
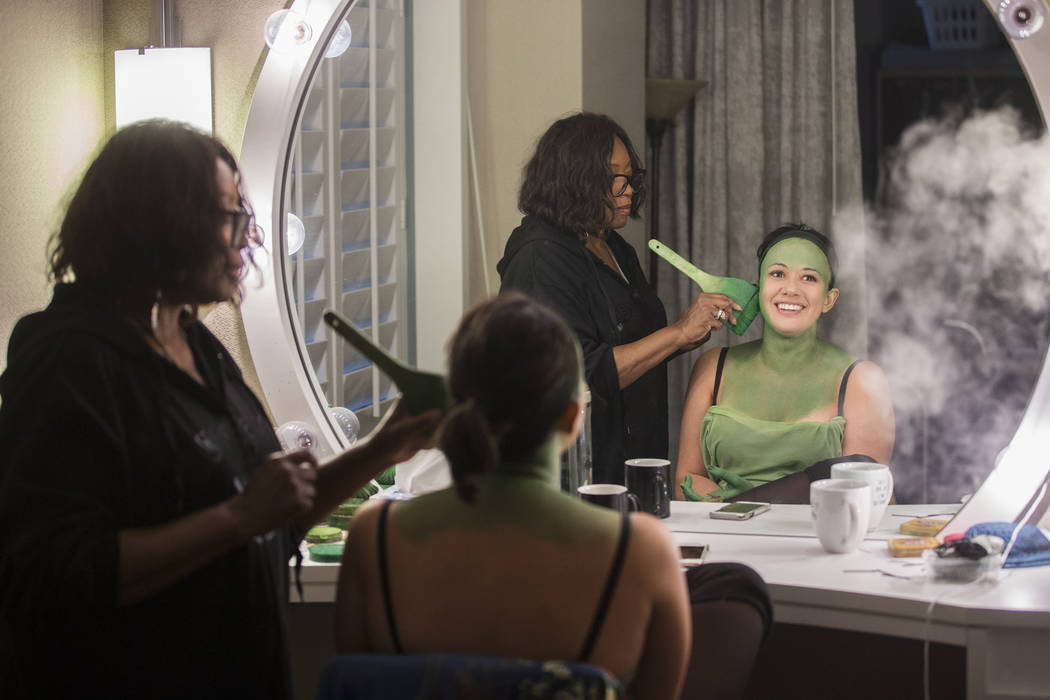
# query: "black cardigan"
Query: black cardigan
555,268
99,433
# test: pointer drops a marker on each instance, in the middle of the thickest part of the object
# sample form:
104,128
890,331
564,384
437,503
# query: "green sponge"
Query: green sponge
743,293
368,491
386,478
348,507
324,534
326,553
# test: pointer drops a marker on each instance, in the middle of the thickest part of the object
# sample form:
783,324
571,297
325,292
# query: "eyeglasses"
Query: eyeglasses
244,233
620,182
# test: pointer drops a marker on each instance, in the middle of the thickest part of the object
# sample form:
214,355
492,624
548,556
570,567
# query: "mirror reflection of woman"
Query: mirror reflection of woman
504,563
584,182
147,514
786,406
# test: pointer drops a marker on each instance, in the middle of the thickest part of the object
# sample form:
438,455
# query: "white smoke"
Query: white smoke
958,254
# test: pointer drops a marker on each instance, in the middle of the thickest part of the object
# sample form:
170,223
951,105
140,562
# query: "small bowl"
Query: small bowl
959,569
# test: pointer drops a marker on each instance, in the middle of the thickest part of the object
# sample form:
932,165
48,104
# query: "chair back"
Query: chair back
462,677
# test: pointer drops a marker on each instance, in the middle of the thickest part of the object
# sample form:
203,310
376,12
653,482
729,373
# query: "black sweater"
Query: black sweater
555,268
98,433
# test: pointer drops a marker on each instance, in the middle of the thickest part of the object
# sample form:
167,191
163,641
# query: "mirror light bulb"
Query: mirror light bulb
285,30
347,421
1021,19
294,234
340,41
295,435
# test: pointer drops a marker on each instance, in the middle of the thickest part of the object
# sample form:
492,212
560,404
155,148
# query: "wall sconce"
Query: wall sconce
173,83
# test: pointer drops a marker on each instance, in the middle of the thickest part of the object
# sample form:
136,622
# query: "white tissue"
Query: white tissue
427,471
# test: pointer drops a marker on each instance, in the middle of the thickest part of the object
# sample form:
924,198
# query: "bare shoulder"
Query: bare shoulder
704,368
360,536
868,381
654,545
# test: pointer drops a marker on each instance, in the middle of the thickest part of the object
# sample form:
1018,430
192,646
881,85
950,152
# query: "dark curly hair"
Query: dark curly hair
799,230
145,217
568,180
513,367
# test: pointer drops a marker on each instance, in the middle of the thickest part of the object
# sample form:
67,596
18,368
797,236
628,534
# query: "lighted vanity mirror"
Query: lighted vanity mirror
324,150
323,157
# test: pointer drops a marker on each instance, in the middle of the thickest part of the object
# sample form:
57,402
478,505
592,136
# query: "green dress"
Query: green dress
742,452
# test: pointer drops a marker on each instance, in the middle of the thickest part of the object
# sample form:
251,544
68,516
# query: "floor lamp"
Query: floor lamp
664,98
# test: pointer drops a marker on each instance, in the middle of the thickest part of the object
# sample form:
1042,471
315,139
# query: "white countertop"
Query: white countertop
867,582
1004,623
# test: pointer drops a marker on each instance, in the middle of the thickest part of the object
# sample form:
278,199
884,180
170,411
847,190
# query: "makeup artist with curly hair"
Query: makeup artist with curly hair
147,515
583,182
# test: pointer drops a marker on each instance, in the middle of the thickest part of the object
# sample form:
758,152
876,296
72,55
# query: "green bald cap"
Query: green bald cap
796,252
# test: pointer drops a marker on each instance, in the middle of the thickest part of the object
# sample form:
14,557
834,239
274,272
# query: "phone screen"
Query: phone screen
693,551
692,555
740,507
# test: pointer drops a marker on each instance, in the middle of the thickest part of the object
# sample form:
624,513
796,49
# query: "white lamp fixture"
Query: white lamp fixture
174,83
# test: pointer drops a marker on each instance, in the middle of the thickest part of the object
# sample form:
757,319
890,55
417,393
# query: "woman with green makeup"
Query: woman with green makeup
519,565
781,409
504,563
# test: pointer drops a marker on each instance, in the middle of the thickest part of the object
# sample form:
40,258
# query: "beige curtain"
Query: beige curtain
772,138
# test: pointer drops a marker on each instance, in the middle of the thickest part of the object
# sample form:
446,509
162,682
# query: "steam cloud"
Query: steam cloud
957,259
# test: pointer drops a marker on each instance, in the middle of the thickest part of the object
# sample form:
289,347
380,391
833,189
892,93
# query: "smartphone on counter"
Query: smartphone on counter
741,510
692,555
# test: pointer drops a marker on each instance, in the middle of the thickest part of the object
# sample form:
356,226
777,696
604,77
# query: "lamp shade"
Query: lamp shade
664,97
173,83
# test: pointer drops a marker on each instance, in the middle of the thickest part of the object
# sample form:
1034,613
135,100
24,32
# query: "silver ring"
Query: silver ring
721,315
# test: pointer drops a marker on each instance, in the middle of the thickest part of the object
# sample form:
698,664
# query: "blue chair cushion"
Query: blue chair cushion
461,676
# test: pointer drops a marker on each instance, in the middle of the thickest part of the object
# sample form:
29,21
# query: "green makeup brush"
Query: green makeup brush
743,293
420,391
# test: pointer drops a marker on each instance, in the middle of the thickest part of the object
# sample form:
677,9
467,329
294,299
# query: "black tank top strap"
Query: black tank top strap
842,386
718,374
610,587
384,577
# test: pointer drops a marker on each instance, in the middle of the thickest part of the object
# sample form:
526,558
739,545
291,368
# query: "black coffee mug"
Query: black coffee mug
609,495
650,481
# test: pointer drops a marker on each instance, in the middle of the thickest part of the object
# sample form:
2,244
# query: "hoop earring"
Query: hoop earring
154,315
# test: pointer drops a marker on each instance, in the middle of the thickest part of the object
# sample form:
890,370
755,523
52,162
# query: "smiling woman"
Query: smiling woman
781,409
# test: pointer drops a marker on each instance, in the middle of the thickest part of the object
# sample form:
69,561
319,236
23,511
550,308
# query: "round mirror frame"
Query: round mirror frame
1015,489
291,390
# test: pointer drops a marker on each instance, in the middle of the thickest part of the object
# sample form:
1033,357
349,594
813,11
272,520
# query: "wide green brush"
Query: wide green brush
743,293
420,391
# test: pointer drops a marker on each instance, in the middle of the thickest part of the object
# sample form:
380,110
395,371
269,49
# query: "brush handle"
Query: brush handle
390,366
420,391
684,266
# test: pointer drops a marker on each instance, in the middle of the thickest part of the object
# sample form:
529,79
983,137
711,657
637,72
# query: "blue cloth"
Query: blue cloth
454,676
1031,548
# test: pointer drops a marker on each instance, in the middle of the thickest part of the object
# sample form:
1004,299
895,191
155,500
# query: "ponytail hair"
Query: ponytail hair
513,367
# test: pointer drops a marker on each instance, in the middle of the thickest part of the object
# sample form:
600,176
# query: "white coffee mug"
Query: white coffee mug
878,476
840,510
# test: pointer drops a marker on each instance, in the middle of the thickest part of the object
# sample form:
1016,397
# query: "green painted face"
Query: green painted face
796,253
793,286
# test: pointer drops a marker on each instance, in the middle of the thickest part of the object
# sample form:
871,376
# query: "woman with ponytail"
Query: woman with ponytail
504,563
